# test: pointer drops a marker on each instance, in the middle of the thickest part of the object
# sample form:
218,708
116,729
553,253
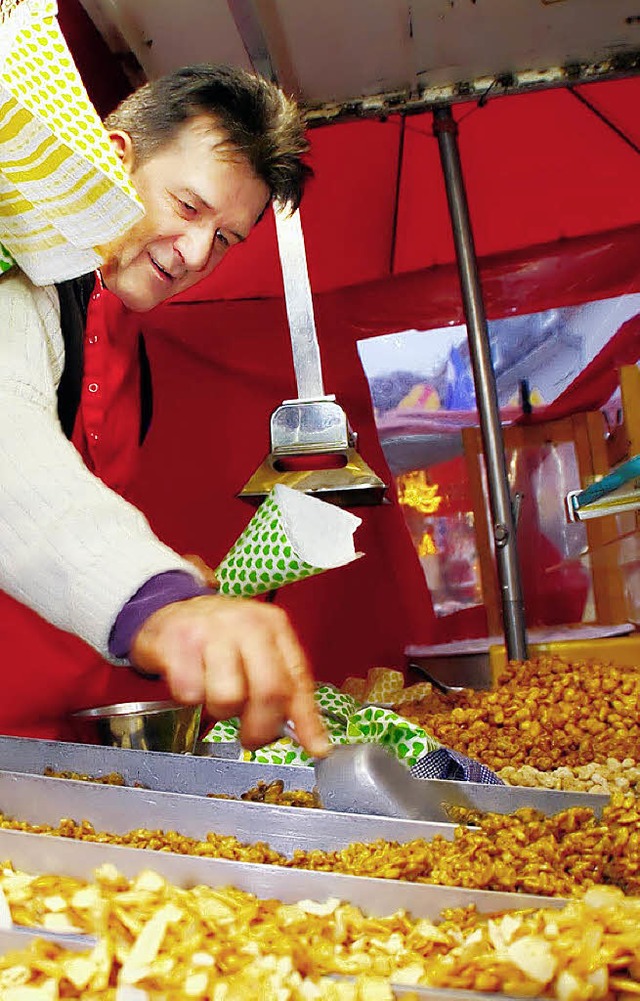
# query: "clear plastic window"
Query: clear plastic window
423,396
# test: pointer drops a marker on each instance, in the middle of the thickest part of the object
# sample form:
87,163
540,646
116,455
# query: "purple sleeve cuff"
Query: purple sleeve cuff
161,590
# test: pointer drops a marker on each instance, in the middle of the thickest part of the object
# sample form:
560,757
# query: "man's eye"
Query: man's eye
221,238
185,207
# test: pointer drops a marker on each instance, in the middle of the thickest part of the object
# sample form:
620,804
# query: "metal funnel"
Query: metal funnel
313,448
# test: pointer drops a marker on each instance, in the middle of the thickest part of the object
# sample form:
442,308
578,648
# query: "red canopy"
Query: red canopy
538,167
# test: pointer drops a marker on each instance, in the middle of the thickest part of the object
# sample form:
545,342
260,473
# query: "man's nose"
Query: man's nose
196,246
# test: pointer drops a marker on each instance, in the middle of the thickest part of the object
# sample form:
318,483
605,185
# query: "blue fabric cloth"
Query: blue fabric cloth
443,763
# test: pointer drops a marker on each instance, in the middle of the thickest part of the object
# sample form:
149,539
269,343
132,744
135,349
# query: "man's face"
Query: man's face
198,204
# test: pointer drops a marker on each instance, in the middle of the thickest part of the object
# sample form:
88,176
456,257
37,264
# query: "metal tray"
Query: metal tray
116,809
182,773
39,853
20,937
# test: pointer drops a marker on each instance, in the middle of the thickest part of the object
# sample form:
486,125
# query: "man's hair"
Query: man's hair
259,121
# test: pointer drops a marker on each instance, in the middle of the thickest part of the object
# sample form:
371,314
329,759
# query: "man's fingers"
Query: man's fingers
260,725
303,710
305,715
268,696
186,680
225,682
281,687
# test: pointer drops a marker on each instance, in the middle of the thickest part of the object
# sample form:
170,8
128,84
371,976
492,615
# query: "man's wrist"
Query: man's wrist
163,589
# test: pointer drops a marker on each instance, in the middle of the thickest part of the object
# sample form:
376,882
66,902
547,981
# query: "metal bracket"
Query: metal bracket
313,448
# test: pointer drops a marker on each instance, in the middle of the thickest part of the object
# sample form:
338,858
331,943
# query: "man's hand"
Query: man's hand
240,658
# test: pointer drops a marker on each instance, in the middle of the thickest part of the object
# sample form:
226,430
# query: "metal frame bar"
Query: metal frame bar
119,810
504,531
195,776
259,27
407,102
396,197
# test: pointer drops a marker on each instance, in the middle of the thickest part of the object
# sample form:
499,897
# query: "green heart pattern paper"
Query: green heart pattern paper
334,701
263,558
370,724
407,741
6,260
224,732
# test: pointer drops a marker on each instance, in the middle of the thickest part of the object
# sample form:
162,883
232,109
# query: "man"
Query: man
207,149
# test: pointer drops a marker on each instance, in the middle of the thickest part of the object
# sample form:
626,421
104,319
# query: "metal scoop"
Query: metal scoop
365,778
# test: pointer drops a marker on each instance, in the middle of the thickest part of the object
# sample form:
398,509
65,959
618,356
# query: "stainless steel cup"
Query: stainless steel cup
141,726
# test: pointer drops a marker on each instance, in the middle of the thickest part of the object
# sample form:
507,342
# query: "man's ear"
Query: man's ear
123,147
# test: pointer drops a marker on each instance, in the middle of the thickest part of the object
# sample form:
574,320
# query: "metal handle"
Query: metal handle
288,729
299,302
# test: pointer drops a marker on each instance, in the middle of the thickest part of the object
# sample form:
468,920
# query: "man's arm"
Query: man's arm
76,552
70,548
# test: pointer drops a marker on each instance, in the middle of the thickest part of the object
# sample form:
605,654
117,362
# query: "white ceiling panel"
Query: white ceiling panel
460,41
166,34
336,51
341,50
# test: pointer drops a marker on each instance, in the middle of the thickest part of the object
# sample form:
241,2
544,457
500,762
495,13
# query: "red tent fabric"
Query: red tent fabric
538,168
552,197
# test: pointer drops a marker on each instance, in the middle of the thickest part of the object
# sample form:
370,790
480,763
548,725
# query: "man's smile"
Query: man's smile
165,275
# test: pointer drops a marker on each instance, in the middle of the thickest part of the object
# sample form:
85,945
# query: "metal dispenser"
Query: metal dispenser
313,448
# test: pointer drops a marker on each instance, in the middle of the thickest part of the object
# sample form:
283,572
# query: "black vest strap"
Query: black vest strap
74,302
74,298
146,390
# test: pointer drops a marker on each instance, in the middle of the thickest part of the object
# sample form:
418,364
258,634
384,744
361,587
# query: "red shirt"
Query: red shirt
106,431
48,673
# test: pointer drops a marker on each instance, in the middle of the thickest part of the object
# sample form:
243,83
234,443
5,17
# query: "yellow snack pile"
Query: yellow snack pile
545,713
161,942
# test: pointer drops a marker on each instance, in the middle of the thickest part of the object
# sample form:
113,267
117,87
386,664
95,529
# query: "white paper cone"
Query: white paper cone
291,536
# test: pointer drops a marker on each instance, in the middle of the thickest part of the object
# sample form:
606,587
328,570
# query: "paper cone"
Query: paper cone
291,536
63,190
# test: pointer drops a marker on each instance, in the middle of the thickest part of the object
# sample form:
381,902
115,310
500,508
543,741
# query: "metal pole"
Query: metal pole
504,534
